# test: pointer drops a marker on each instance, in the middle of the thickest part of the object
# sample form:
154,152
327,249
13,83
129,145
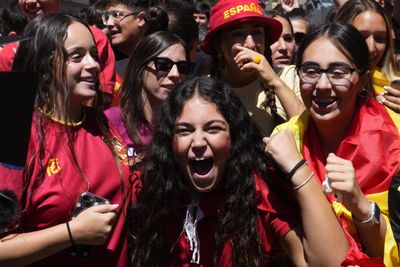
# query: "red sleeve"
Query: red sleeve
11,179
7,57
107,60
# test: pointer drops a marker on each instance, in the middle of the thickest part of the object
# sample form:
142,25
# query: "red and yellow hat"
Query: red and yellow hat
227,13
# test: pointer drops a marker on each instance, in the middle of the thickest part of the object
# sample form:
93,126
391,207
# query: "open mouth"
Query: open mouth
202,166
324,102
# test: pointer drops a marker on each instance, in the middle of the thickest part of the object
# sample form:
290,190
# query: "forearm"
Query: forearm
25,248
291,103
373,238
324,241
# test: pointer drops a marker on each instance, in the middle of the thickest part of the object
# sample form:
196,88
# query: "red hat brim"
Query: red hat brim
273,30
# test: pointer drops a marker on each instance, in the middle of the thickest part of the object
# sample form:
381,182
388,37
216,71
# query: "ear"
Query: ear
12,33
365,79
141,19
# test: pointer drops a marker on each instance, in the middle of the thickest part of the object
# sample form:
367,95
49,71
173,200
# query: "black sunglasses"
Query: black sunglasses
299,36
165,65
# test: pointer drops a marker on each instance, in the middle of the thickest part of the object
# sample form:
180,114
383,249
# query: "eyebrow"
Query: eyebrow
208,123
331,64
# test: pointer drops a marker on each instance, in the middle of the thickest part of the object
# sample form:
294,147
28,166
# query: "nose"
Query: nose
174,74
249,42
109,22
91,63
323,82
371,46
282,45
198,141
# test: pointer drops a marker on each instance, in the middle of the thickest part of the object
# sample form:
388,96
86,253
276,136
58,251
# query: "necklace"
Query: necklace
74,124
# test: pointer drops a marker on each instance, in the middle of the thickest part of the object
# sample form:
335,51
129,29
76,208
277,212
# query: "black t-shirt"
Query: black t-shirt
394,206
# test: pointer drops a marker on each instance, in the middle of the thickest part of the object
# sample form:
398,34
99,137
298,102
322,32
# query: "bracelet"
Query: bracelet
304,183
297,167
70,235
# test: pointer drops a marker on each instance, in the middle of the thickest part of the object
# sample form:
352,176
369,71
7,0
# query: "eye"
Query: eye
182,131
214,129
380,39
117,14
288,38
338,71
236,34
311,71
75,57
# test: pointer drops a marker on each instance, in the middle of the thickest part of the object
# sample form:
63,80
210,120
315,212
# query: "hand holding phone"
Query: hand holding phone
85,201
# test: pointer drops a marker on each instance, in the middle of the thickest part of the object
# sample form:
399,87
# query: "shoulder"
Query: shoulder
7,56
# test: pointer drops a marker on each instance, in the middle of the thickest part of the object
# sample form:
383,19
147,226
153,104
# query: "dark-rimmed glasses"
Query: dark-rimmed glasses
165,64
338,74
117,16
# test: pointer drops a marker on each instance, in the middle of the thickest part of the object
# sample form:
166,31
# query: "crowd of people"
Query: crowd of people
173,133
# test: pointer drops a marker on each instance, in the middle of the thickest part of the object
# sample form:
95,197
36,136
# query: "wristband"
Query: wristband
304,183
374,217
298,166
70,235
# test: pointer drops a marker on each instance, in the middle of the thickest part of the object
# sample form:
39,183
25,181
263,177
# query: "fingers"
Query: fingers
93,225
391,98
392,91
104,208
247,57
333,159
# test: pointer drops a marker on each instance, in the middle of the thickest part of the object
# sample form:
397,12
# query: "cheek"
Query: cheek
180,148
274,47
222,145
306,91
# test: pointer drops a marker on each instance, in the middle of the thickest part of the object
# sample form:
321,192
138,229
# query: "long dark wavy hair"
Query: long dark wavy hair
163,180
44,53
131,92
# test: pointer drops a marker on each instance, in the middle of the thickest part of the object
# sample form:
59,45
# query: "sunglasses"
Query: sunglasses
165,65
299,36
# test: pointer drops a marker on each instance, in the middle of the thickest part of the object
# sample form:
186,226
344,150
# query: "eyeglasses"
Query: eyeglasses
165,65
117,16
337,74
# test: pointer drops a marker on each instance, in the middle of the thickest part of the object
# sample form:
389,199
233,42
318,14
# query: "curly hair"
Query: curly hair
162,180
131,92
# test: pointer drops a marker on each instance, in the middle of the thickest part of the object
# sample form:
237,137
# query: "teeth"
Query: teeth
199,159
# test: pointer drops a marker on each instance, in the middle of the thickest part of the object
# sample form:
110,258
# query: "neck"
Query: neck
238,78
74,117
332,133
150,105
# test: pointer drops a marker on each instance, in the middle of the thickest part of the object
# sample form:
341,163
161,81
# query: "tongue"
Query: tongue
202,167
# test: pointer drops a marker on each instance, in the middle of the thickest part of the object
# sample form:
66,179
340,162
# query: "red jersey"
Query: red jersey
52,202
275,220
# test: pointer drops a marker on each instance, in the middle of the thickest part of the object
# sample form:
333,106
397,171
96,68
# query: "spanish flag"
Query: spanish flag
372,144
